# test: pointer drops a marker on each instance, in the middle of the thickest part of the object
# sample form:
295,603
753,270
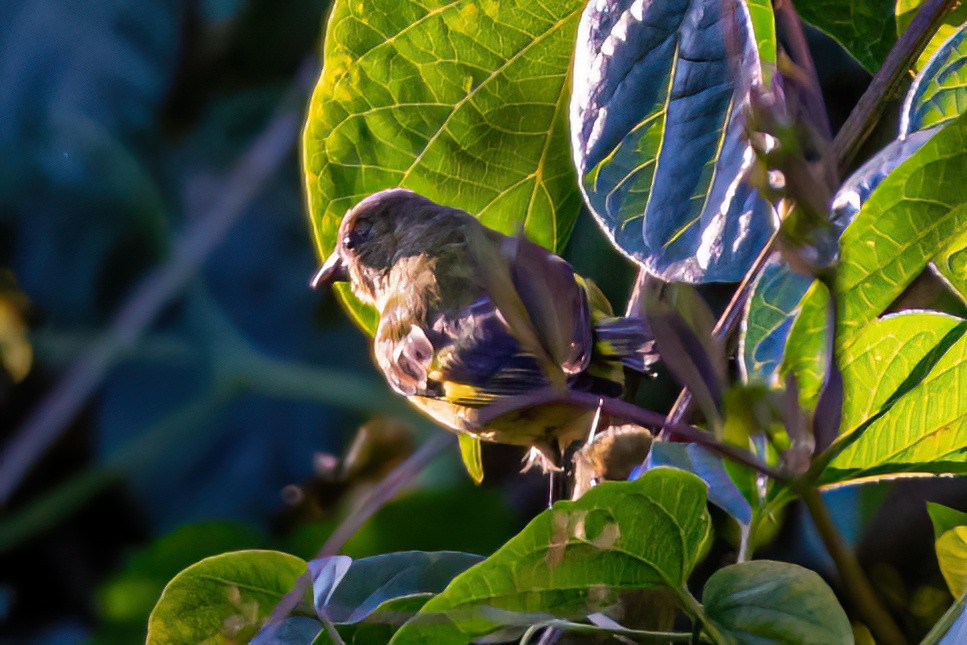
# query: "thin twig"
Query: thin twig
380,494
629,412
857,587
887,81
260,162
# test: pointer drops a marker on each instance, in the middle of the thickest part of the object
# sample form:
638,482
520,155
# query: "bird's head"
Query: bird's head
378,232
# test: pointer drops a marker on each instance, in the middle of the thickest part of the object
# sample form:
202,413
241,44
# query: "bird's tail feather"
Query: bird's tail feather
627,339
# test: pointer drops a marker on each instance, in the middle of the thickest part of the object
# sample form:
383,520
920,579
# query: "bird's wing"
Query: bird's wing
555,301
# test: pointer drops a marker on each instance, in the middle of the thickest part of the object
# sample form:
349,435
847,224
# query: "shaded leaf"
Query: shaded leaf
295,630
866,28
223,598
770,312
572,559
765,602
904,410
362,586
658,134
463,101
695,459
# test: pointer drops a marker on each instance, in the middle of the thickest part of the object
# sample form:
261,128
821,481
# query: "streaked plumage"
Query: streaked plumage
468,317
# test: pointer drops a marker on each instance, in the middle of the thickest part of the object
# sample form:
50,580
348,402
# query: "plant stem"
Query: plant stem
887,81
858,589
629,412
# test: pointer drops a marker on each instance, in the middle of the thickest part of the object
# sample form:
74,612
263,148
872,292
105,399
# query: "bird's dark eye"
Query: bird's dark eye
357,235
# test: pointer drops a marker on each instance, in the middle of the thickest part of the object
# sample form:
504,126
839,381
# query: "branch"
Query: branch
857,587
260,162
629,412
887,81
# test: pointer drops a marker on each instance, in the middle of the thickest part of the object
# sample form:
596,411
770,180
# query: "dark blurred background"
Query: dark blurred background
152,218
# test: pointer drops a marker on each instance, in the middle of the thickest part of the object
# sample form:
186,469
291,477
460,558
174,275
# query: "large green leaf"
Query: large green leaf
768,602
921,204
463,101
222,599
907,9
951,263
939,92
950,527
904,408
866,28
658,117
572,559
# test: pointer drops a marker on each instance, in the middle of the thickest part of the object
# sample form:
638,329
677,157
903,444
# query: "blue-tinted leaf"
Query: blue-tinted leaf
297,630
658,134
770,312
722,491
939,92
774,602
348,591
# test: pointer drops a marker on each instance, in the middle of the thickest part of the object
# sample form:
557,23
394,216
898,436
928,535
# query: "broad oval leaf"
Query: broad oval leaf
767,602
365,584
939,92
919,205
222,599
708,466
463,101
572,559
866,28
904,409
658,134
952,555
769,315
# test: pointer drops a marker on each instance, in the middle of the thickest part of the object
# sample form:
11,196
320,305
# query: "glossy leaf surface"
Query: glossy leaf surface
658,133
464,102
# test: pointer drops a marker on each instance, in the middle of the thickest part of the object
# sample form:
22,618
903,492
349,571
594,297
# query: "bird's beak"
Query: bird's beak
333,270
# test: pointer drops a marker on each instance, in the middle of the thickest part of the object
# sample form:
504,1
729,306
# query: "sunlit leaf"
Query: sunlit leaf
462,101
922,203
952,555
904,409
945,518
866,28
572,560
939,92
907,9
767,602
222,599
471,456
657,127
951,263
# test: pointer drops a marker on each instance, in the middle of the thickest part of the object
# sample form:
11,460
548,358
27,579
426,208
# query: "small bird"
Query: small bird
469,317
